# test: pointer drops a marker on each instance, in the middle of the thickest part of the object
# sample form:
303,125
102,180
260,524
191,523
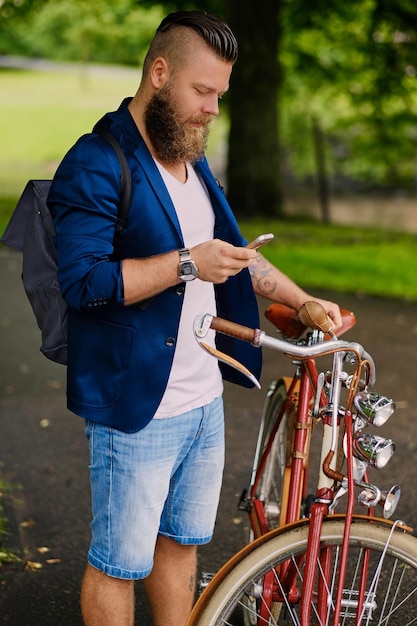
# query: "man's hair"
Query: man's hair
171,38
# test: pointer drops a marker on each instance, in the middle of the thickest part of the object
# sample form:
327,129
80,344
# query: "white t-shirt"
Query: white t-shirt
195,378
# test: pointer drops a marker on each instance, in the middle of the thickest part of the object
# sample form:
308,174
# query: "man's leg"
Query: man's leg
171,585
107,601
193,499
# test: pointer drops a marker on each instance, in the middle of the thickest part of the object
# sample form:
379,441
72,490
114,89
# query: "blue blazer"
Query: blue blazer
120,357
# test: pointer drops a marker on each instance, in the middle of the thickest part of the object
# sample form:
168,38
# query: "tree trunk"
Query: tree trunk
322,181
253,174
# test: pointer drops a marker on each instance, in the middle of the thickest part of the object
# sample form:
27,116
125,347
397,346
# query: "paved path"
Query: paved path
42,449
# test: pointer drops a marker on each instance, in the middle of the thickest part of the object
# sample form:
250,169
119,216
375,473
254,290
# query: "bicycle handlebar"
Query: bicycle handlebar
258,338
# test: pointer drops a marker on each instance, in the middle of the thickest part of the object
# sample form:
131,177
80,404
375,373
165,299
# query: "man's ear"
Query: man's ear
159,73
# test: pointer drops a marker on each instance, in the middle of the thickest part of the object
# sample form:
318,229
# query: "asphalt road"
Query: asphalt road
43,452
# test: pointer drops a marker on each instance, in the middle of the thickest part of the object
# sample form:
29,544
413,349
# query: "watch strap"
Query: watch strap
184,254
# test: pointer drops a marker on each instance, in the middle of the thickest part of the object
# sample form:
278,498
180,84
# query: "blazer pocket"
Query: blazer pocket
99,359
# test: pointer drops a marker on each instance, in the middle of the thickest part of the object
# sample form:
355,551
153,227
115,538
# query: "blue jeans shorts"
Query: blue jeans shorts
164,479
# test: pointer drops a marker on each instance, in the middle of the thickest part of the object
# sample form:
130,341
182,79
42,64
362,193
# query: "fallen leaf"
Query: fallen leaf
53,384
33,565
27,523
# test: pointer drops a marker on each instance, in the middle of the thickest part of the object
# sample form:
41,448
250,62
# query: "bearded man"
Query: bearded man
151,398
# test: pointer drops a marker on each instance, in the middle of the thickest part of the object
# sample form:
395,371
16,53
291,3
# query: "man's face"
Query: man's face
178,115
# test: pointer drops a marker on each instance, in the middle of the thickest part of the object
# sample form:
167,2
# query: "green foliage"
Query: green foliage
352,66
74,30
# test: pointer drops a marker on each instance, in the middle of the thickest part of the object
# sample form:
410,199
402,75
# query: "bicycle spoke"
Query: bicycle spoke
393,606
289,606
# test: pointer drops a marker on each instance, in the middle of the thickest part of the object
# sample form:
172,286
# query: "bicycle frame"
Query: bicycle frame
306,401
301,391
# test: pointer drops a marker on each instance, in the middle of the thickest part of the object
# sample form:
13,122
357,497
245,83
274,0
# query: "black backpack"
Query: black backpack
31,231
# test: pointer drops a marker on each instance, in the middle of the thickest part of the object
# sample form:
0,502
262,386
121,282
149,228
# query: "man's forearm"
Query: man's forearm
271,283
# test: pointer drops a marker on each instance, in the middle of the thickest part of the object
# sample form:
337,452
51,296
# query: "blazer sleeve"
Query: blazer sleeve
83,201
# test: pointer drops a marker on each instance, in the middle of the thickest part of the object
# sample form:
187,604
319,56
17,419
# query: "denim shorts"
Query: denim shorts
164,479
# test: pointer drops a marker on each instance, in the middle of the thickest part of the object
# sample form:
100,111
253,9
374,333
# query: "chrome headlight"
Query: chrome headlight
374,450
373,408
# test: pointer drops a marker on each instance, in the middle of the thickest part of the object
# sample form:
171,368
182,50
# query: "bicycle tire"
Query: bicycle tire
269,489
270,485
394,602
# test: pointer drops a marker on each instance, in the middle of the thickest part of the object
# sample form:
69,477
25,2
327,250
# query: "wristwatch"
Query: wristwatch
187,269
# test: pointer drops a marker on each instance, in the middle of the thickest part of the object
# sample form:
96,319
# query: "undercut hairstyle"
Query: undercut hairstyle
177,32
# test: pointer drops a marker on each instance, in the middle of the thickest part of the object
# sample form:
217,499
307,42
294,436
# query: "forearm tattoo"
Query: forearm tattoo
261,273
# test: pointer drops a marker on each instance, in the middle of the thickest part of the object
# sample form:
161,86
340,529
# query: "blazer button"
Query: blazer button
170,342
180,290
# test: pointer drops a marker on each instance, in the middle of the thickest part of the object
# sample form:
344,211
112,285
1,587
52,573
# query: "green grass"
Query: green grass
342,258
43,113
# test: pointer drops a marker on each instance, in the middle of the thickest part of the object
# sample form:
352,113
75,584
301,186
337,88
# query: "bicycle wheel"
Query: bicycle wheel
269,490
390,586
270,486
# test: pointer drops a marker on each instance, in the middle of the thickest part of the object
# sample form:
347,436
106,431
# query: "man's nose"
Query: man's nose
211,105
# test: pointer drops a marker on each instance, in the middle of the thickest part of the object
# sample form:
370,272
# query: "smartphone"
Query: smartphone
260,241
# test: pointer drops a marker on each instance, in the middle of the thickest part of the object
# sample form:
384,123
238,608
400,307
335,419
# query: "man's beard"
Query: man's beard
174,140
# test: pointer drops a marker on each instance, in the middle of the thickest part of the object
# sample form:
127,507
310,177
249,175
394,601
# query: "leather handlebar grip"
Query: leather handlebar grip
235,330
313,315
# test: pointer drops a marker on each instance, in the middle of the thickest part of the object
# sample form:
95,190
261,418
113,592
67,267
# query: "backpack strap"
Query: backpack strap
126,178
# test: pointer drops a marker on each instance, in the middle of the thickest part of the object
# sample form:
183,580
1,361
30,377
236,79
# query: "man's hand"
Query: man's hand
218,260
333,312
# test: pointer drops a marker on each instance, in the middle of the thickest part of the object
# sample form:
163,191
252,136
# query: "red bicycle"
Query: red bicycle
314,558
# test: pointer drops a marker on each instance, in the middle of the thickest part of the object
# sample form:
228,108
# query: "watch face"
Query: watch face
188,270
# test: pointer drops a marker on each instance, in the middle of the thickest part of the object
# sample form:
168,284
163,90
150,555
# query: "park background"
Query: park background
316,142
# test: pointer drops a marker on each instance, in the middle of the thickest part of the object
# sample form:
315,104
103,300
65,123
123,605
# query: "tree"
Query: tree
253,167
351,66
254,181
253,176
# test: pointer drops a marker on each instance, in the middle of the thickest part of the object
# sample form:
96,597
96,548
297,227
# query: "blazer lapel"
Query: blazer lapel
226,224
151,172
